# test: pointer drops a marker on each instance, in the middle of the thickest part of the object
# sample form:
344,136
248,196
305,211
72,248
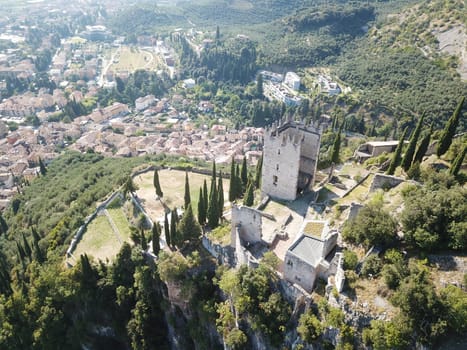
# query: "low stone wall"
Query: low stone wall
356,185
200,171
385,182
224,255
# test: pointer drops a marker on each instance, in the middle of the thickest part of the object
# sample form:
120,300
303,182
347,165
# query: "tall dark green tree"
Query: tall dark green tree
423,146
213,180
42,167
409,153
336,146
396,158
304,108
187,196
249,198
27,247
213,205
167,230
189,228
156,183
238,182
156,234
205,197
259,86
259,169
232,194
3,225
174,237
37,252
201,208
220,196
144,241
457,163
244,174
213,210
449,130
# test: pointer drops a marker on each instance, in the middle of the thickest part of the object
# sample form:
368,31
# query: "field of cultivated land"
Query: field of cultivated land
104,235
173,186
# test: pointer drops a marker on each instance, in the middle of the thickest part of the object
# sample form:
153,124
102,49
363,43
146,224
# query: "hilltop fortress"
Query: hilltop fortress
305,246
290,157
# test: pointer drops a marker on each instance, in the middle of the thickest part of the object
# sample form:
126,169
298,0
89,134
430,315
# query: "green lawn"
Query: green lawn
121,222
99,240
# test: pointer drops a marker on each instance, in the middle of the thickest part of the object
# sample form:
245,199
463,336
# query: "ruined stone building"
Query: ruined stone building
289,159
306,248
311,255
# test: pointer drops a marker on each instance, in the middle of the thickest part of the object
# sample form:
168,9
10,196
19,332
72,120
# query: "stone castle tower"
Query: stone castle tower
290,156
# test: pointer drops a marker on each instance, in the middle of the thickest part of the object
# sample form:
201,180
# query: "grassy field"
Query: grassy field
100,241
121,222
173,187
130,59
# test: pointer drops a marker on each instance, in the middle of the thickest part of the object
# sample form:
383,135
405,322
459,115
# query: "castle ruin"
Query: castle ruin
290,158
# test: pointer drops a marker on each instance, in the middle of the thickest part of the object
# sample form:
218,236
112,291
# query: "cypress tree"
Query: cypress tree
423,146
205,197
144,242
156,234
238,183
156,183
21,252
457,163
232,196
213,210
189,228
167,230
201,209
173,228
3,225
396,159
259,169
249,198
409,153
449,130
213,174
35,245
220,196
42,167
336,146
187,196
244,174
372,131
27,247
35,235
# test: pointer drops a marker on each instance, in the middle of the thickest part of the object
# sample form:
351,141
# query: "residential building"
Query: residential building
292,80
